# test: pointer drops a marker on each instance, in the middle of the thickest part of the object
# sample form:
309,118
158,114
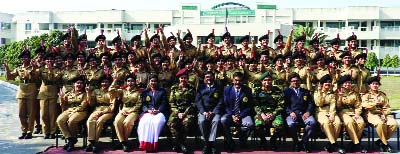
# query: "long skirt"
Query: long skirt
149,129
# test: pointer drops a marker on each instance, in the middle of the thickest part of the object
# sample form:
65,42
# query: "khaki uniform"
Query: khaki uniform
48,98
246,52
98,51
212,51
120,74
26,96
104,107
355,52
182,101
131,106
74,111
347,106
140,52
384,129
166,79
271,52
335,54
93,77
280,78
354,72
362,87
67,78
228,50
253,80
325,103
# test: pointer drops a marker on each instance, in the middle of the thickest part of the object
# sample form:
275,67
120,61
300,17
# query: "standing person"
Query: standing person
239,111
378,109
69,73
103,104
156,111
349,110
182,119
210,49
353,45
101,46
209,101
364,73
264,40
299,106
49,76
335,52
26,94
131,105
325,101
74,106
269,108
185,44
228,48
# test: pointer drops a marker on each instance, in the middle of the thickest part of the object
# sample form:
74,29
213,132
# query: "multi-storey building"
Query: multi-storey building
377,28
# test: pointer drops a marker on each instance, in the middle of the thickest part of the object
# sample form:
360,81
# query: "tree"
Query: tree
395,62
12,50
310,32
372,61
386,63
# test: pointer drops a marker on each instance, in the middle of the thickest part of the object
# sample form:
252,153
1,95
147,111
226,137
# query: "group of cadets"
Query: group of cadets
271,91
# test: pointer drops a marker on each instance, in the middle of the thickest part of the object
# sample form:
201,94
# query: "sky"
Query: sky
17,6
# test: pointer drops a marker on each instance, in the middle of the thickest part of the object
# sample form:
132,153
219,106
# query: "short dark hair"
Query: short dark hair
293,75
238,74
209,72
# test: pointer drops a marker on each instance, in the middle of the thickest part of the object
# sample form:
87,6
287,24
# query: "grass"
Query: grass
391,86
3,78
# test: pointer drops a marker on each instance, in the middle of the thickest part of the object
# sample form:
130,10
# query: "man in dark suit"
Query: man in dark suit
299,107
209,99
239,110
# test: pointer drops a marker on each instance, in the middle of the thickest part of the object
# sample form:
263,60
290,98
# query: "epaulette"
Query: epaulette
381,92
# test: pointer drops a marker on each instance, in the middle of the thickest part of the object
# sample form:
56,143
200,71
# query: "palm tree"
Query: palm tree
309,32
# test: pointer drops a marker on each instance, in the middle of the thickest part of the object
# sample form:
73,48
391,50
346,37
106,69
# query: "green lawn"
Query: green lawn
3,78
391,86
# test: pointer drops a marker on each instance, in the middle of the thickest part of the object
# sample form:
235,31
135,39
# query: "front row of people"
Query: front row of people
235,107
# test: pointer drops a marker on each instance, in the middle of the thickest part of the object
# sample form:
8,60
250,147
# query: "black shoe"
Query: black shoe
387,148
89,148
214,150
38,130
175,148
206,149
28,136
118,146
125,147
65,146
183,148
341,151
378,142
329,148
70,147
47,136
306,148
52,136
350,147
22,136
298,147
95,149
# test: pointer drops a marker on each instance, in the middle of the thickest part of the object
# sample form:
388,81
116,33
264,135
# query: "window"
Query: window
117,25
55,25
101,25
304,24
335,24
387,43
2,40
109,25
43,26
5,26
387,24
354,24
28,26
136,26
86,26
363,43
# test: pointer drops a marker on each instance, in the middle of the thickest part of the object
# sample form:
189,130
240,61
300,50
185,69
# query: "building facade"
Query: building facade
377,28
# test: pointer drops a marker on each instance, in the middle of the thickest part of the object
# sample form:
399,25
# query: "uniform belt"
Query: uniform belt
49,82
129,104
102,104
347,107
26,81
74,104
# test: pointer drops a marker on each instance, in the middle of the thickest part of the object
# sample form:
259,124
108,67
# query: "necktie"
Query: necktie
236,105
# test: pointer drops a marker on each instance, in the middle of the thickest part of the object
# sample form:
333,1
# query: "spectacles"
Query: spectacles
295,81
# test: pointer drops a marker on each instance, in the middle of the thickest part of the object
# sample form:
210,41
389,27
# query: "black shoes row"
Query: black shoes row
25,136
71,144
383,147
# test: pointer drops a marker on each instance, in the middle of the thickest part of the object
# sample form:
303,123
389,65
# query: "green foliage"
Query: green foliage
395,61
12,50
310,32
372,61
386,63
